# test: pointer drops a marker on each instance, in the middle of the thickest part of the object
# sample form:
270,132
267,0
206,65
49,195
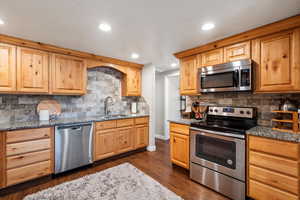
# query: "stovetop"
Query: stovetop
220,120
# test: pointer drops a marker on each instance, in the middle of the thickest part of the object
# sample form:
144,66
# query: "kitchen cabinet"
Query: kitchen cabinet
68,75
212,57
124,139
189,76
26,154
7,68
237,51
142,135
105,144
2,160
180,145
277,62
114,137
131,83
32,71
272,174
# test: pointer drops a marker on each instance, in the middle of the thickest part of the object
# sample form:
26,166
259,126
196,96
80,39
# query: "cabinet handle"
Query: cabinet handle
174,140
284,56
31,65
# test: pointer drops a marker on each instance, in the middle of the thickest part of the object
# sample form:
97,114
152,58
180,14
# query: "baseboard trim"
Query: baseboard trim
151,148
162,137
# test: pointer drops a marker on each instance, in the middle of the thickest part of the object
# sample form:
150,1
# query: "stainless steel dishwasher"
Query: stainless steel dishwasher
73,146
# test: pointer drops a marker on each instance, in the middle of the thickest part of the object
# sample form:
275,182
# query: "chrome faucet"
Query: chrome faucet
108,100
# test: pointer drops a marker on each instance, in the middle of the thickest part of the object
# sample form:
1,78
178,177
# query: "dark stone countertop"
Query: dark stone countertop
272,134
183,121
39,124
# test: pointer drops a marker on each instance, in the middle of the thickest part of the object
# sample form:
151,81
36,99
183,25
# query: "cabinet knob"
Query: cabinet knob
284,56
174,140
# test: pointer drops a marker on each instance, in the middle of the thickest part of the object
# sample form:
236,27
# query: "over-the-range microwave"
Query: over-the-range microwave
232,76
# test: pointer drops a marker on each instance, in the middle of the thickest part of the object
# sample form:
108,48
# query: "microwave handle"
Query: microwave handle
236,79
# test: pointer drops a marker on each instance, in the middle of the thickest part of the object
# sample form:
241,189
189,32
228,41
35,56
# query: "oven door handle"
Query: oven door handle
217,134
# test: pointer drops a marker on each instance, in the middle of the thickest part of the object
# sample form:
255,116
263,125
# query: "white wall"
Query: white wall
159,105
162,89
148,92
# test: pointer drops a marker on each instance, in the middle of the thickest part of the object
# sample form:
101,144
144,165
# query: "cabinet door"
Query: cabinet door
7,68
68,75
213,57
2,158
105,144
32,71
141,139
188,76
237,52
180,149
277,62
124,140
132,85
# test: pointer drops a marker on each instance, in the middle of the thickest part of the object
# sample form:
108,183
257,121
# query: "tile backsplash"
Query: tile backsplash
264,103
102,82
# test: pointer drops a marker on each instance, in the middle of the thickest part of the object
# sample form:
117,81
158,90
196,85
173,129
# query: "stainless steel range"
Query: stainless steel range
218,152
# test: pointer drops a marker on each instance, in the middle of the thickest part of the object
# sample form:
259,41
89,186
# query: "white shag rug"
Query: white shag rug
123,182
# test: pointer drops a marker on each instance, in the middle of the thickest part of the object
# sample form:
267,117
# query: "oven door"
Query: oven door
228,80
223,154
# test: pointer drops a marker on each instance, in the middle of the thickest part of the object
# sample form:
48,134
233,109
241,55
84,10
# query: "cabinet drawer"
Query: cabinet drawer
25,147
106,125
125,122
26,159
180,128
261,191
27,134
274,179
141,120
28,172
274,163
275,147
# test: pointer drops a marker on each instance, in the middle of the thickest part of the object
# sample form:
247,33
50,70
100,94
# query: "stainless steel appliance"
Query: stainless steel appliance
73,146
217,151
232,76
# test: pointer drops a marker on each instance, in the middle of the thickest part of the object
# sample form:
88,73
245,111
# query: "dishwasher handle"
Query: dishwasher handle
74,127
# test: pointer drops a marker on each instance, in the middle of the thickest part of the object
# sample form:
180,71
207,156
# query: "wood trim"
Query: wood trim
60,50
282,25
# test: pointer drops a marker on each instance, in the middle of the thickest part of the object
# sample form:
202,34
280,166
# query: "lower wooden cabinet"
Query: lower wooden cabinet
273,169
120,136
124,140
141,136
26,154
180,145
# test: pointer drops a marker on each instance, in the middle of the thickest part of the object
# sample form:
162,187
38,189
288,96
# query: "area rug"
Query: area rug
123,182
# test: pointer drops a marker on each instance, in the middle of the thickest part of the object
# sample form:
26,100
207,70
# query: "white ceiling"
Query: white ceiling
153,28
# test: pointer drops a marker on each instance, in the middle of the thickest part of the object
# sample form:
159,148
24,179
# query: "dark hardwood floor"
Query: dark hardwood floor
155,164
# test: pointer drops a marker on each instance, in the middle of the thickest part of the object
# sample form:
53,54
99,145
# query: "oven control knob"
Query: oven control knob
211,110
229,162
216,110
248,112
241,112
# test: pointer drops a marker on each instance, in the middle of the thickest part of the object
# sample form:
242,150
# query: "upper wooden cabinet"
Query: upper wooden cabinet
277,62
131,84
32,70
237,52
68,75
7,68
188,76
213,57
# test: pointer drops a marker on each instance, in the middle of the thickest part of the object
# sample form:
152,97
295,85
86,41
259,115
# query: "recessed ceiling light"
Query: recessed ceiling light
173,64
135,56
1,22
105,27
207,26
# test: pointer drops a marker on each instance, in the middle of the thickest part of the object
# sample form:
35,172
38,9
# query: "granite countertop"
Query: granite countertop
183,121
39,124
278,135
